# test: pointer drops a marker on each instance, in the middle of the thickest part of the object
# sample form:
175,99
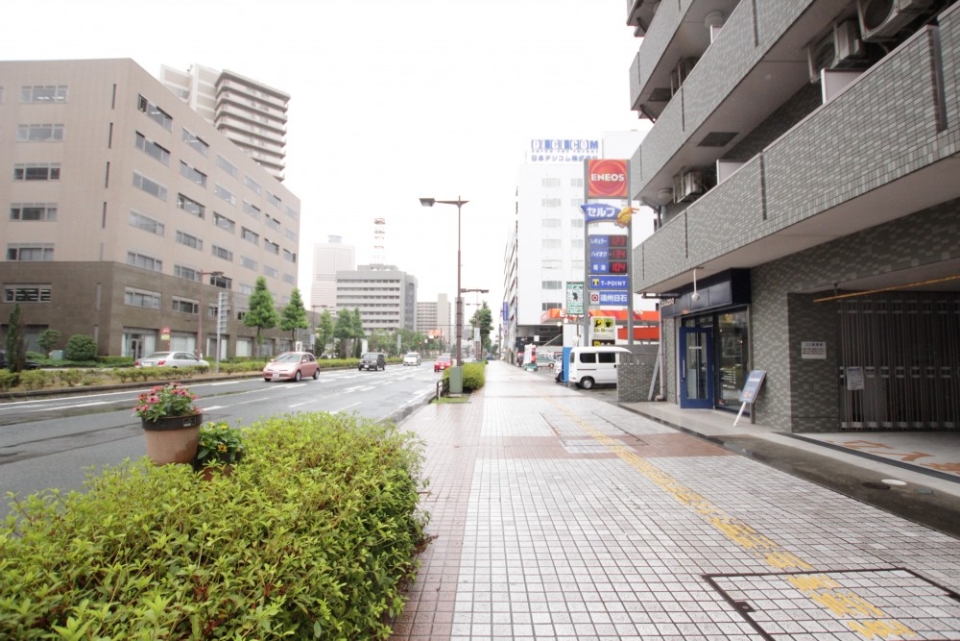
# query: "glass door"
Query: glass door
696,368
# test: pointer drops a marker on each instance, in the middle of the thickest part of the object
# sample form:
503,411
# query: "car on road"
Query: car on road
292,366
26,364
443,362
411,358
171,359
372,360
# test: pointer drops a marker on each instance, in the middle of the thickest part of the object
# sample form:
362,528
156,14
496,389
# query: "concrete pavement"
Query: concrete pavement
558,515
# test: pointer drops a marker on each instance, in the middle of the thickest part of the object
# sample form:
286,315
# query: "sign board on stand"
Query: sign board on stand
748,395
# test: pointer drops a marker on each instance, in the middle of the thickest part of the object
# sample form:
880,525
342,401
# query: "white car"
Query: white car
411,358
171,359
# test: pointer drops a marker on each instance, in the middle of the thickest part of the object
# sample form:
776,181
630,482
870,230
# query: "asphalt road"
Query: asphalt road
54,442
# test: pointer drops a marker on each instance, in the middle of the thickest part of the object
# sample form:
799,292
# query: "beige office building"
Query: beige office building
251,114
129,214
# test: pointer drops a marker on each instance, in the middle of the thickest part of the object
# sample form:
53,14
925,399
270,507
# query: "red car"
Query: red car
443,362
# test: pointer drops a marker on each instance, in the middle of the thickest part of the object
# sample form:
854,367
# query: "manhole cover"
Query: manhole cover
876,486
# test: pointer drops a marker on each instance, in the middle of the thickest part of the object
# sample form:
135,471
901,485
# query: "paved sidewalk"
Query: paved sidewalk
560,516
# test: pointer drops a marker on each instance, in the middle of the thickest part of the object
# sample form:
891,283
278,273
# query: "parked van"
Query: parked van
591,366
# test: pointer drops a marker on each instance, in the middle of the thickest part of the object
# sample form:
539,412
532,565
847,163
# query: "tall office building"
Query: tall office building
433,319
128,214
804,162
328,259
385,296
251,114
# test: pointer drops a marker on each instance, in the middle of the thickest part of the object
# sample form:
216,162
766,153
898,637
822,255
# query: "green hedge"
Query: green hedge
312,536
474,376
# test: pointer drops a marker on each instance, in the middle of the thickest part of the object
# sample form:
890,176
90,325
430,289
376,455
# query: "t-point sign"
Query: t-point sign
606,178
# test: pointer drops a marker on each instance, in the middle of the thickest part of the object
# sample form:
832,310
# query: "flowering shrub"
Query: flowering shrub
219,443
165,401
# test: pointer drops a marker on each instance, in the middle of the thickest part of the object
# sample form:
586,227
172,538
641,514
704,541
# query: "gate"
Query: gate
899,361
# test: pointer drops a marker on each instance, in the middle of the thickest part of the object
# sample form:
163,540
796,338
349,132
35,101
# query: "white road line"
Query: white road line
213,407
226,383
346,407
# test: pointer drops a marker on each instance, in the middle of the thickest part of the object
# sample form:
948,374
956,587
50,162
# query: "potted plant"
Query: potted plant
171,423
219,445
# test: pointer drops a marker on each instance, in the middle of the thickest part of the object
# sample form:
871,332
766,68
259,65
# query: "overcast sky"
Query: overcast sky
390,101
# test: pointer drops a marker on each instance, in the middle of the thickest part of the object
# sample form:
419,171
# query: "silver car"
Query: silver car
171,359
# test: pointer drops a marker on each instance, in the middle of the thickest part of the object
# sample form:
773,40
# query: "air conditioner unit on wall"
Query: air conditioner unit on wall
688,186
840,49
883,19
679,75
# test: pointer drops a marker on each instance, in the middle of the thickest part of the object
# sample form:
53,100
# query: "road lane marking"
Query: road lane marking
869,621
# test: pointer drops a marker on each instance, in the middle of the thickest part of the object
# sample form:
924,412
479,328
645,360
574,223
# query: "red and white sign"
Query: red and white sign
607,178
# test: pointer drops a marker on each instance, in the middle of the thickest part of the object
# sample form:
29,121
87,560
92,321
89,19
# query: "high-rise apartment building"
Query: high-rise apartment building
433,319
385,296
251,114
804,163
128,214
328,259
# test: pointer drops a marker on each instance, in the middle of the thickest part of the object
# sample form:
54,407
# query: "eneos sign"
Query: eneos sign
606,178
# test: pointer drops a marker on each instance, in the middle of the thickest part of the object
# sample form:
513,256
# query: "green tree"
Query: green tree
343,330
483,319
324,331
16,344
262,314
48,340
294,315
356,326
80,348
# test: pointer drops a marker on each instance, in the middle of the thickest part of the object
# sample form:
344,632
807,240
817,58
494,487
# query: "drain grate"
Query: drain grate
857,604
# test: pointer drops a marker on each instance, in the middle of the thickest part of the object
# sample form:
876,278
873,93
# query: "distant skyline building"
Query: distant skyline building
251,114
385,296
328,259
433,318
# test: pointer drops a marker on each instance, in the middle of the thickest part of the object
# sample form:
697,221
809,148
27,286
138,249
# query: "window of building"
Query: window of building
249,263
26,293
550,243
289,278
222,252
225,194
550,223
221,281
577,266
577,243
40,133
193,174
251,184
292,235
191,206
194,141
250,236
189,240
146,223
272,223
292,212
545,306
30,252
273,200
549,182
188,273
141,298
226,165
36,171
223,222
155,113
152,187
145,262
271,247
269,271
576,182
549,263
152,149
576,223
290,257
551,284
244,289
186,305
550,202
576,202
33,211
251,209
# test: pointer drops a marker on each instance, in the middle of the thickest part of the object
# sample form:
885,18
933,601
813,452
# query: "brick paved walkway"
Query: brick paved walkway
559,516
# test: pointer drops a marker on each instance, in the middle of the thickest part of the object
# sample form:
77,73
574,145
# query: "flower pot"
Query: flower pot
172,439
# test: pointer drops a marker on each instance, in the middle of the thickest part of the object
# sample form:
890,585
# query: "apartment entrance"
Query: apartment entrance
899,361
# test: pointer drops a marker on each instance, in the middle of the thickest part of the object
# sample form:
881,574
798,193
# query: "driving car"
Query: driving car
372,360
171,359
443,362
292,366
411,358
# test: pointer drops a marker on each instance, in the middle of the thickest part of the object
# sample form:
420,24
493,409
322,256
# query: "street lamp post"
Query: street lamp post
430,202
200,318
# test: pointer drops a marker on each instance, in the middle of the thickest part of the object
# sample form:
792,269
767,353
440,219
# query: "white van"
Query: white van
591,366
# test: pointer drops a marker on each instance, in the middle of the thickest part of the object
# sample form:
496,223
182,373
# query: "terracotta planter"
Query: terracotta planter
173,439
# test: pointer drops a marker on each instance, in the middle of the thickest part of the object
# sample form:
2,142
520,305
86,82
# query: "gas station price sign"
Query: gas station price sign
609,254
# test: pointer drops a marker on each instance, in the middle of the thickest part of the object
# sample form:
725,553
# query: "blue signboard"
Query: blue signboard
609,282
599,254
613,298
599,211
599,241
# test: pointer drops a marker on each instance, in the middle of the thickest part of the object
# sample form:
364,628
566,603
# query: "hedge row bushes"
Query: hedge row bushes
313,536
474,376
